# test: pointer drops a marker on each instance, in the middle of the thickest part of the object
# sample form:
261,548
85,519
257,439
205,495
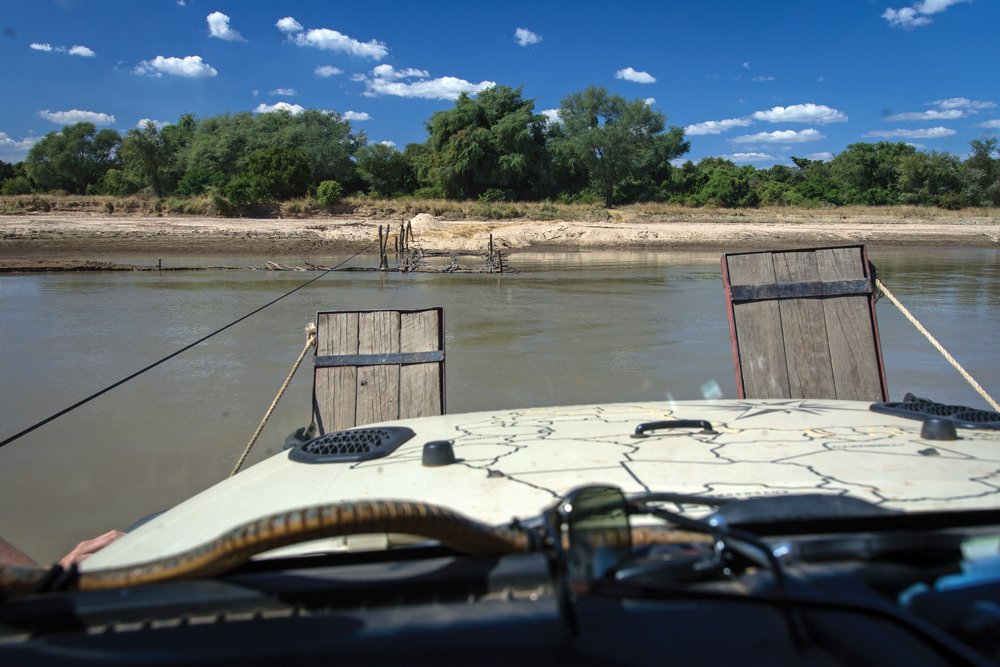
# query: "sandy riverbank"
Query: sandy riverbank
59,238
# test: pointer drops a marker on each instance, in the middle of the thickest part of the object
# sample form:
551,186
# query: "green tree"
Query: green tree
385,169
279,173
495,140
6,171
223,144
18,185
197,181
722,183
869,173
982,172
117,183
148,159
927,178
812,182
610,139
73,158
329,193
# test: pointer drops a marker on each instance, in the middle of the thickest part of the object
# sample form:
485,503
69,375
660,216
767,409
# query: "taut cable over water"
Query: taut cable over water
170,356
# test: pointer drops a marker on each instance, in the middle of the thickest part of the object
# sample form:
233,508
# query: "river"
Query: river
568,328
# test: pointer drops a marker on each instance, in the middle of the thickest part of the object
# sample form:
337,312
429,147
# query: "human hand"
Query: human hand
84,549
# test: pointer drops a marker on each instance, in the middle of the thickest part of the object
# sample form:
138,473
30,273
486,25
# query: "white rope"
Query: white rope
940,348
310,342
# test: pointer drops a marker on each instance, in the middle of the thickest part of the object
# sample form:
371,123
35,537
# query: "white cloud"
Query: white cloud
780,137
758,79
293,109
926,133
390,144
393,74
525,37
551,115
14,148
951,108
820,114
386,80
990,124
190,66
963,103
289,25
916,14
716,126
75,50
77,116
358,116
218,26
326,71
284,92
932,114
825,156
750,157
635,76
159,124
255,92
745,65
331,40
650,101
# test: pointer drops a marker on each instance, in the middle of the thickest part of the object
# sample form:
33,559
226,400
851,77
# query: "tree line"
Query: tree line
603,149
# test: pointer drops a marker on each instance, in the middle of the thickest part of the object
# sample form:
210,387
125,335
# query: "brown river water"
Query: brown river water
568,328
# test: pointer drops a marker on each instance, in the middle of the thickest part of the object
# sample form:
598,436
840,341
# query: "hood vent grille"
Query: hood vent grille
361,444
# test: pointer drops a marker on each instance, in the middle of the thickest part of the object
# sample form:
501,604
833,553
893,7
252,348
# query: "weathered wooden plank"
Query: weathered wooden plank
419,384
853,351
740,293
758,331
378,386
803,328
335,388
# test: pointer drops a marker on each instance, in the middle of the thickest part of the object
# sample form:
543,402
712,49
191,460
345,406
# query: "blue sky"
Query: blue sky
756,82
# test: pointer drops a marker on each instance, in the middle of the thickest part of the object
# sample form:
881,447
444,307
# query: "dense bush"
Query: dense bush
329,193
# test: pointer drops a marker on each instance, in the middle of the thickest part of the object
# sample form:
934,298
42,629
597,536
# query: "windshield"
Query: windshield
164,174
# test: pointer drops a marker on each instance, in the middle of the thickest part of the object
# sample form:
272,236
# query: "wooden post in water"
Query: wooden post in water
383,242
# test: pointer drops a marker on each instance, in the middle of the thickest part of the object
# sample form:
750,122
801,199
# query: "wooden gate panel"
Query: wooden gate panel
803,324
374,366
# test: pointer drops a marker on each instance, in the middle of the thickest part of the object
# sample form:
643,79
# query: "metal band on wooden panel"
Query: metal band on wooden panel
332,361
742,293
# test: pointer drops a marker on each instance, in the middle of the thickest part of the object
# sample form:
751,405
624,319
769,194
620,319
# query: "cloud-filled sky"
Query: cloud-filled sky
753,82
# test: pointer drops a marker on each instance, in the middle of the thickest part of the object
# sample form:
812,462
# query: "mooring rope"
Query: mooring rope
170,356
310,342
940,348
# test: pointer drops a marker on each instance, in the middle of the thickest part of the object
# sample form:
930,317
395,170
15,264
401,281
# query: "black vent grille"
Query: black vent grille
922,408
360,444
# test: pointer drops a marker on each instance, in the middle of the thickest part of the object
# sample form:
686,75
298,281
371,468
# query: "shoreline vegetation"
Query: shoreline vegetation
604,173
95,233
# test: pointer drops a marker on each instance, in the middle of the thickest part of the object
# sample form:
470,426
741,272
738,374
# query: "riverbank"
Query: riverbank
82,237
